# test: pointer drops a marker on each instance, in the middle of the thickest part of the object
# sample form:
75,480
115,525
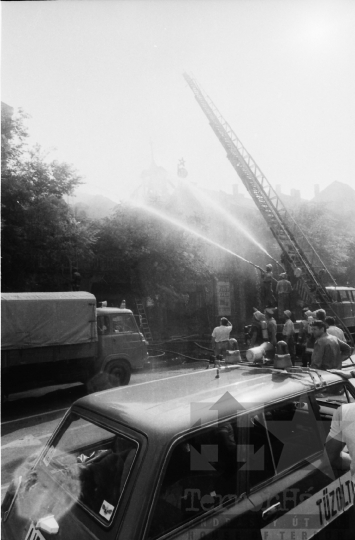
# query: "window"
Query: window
333,294
103,324
344,296
123,323
280,438
87,464
329,399
334,395
201,473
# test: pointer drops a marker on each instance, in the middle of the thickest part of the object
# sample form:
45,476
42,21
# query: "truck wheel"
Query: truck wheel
119,372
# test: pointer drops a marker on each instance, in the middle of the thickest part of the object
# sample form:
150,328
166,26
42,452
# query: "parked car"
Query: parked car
236,453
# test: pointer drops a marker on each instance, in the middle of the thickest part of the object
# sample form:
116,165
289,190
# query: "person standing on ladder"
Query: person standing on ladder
283,290
267,278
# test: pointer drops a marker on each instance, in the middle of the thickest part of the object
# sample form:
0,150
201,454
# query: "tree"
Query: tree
41,238
13,135
331,235
152,253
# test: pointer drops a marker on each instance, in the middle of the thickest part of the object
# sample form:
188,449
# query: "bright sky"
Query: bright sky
103,79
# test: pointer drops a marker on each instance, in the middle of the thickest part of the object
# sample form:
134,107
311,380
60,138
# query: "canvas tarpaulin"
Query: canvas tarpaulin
45,319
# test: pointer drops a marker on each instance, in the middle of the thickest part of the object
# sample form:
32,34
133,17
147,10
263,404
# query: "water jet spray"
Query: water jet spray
178,223
231,219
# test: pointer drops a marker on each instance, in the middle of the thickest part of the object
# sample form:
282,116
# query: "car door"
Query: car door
201,490
127,339
298,494
104,331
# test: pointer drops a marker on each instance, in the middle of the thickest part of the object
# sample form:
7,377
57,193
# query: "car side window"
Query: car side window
294,433
260,464
335,394
280,438
201,473
329,398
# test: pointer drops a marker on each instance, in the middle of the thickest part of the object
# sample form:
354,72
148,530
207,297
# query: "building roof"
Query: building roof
165,407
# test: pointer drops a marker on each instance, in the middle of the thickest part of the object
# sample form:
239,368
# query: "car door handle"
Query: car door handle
271,510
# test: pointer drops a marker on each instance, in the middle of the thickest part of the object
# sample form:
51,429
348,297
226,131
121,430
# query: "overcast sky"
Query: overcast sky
103,79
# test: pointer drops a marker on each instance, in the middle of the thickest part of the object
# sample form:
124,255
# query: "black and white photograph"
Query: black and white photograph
178,270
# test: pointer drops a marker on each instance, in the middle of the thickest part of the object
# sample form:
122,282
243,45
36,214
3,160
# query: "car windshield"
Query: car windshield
86,464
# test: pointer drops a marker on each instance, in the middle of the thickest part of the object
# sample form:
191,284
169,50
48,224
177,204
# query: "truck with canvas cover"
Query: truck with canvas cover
62,337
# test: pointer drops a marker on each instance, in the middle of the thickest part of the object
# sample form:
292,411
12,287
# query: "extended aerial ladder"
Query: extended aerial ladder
300,257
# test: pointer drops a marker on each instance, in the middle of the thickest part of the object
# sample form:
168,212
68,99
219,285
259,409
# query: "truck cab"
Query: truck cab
344,304
121,346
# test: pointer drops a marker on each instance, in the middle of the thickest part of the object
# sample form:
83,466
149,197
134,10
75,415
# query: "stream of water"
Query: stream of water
181,225
227,216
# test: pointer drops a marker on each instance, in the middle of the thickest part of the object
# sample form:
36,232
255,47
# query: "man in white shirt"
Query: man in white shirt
342,432
334,330
220,337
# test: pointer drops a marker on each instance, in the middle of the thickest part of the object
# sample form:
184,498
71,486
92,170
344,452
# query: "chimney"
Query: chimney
316,190
235,190
278,188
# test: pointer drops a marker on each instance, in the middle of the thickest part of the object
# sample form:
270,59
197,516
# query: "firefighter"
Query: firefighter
289,332
271,326
283,290
256,330
310,340
267,277
303,337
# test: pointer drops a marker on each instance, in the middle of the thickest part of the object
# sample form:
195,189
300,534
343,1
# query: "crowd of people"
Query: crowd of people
319,343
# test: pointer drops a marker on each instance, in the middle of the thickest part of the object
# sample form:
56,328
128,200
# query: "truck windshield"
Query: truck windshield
123,323
86,464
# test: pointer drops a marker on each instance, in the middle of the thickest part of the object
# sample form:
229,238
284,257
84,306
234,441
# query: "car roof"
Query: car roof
165,407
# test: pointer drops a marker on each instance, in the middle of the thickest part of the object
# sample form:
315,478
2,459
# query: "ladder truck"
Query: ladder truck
308,272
